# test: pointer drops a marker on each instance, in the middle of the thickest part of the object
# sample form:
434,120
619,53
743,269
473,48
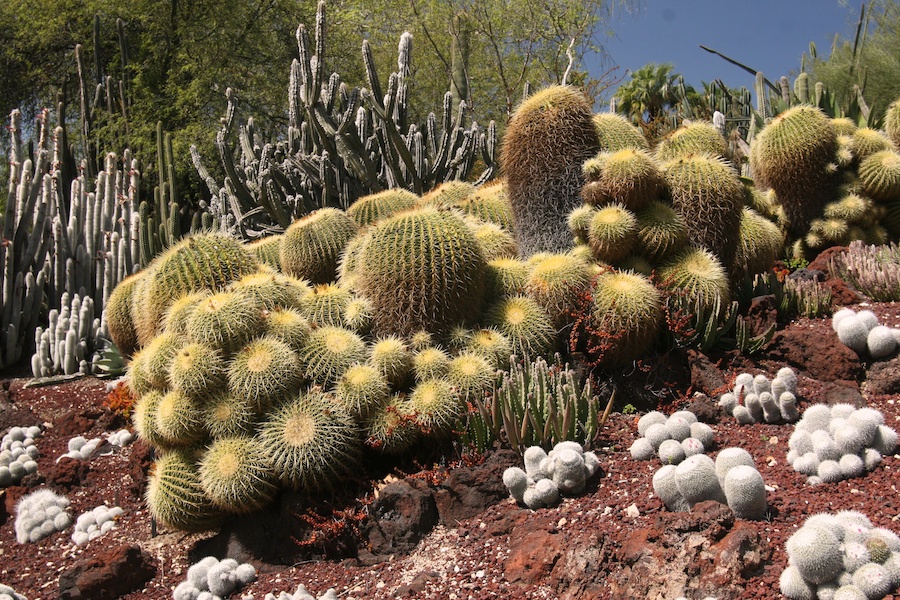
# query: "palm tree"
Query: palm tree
649,93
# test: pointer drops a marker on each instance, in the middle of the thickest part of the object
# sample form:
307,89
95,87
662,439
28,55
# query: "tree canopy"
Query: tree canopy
172,61
868,60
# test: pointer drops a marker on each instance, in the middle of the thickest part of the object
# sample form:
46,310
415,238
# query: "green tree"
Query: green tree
869,60
649,94
488,51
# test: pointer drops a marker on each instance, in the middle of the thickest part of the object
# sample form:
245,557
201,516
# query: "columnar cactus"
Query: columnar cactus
548,138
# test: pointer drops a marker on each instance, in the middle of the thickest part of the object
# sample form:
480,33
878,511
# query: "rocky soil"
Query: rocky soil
447,529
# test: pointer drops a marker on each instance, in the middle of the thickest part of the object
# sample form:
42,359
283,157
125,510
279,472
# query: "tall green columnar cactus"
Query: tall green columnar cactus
23,272
547,140
435,260
794,155
342,143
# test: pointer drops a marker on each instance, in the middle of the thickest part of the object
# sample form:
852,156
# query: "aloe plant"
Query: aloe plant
536,404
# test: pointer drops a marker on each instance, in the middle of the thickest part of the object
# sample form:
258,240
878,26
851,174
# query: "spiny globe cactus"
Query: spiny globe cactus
557,284
892,122
226,321
236,475
272,289
374,207
707,193
437,262
226,415
879,176
548,138
793,155
176,317
626,312
506,277
612,233
201,262
289,326
430,362
490,203
525,323
629,177
697,273
661,230
448,194
761,242
179,420
310,441
392,428
436,406
615,132
119,321
198,371
175,496
312,245
326,304
361,390
329,352
267,250
264,371
698,137
391,356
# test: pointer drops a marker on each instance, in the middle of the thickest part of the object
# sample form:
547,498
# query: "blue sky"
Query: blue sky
767,35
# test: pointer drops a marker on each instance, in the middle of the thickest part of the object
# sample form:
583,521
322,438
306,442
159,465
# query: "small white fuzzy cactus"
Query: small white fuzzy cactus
841,556
81,448
212,578
671,438
563,470
756,399
7,593
40,514
94,523
300,594
18,454
862,333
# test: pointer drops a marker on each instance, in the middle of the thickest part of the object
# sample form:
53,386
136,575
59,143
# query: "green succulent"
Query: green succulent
175,497
312,443
437,263
625,316
198,371
661,230
226,321
613,233
312,245
264,371
615,132
374,207
699,137
236,474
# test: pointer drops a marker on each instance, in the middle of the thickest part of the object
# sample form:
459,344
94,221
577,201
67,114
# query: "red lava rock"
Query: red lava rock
108,575
762,315
77,422
68,473
823,261
534,551
816,350
706,377
404,513
883,377
468,491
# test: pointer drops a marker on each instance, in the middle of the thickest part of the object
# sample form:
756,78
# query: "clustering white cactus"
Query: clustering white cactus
841,555
732,479
94,523
301,594
7,593
671,438
563,470
833,443
120,438
18,454
214,579
861,332
82,448
40,514
756,399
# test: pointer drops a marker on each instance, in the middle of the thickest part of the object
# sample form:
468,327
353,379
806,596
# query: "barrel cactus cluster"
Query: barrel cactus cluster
833,443
565,470
841,555
861,332
756,399
732,479
671,438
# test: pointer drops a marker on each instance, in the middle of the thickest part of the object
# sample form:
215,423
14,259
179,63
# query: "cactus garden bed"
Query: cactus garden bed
616,540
